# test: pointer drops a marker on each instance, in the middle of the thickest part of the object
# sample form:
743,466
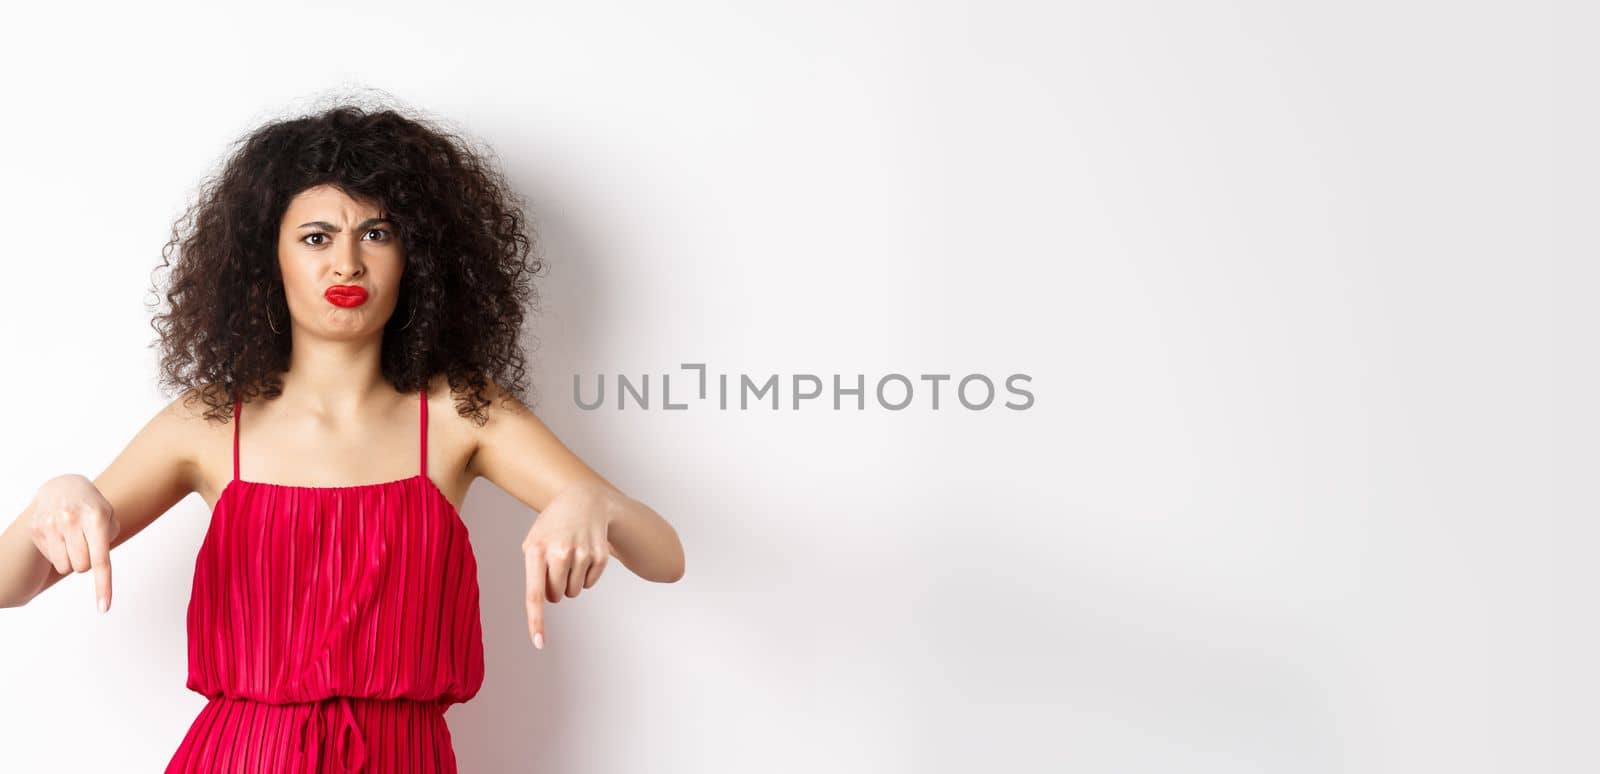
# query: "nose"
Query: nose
347,260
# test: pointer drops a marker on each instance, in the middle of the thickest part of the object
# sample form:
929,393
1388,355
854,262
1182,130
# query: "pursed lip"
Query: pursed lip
346,295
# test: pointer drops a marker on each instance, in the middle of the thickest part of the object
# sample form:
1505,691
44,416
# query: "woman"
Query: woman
344,317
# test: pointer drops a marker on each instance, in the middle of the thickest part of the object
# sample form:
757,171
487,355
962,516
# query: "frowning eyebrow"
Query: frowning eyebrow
326,226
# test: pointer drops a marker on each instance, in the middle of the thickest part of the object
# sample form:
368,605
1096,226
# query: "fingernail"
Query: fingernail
538,640
102,604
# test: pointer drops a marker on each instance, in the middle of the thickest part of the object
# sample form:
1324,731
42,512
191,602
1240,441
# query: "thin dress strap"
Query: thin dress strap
235,439
424,441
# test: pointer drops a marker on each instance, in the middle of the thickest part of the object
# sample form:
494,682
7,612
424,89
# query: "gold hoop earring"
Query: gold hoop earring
413,314
269,320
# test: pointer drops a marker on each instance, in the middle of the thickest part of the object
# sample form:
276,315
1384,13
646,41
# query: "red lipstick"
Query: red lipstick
346,295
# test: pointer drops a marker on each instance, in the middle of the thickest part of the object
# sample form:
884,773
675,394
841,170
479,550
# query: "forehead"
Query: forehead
327,202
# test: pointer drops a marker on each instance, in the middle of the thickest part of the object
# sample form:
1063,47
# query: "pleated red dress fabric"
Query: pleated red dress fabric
331,627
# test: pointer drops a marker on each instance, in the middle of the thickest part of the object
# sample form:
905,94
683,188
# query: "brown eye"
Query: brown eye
316,234
383,231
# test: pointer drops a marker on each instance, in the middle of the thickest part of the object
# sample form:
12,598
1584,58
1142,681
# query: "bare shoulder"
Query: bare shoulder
194,427
516,451
161,464
503,404
470,432
445,401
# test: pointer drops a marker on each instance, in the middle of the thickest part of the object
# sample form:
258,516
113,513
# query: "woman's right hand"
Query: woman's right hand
73,526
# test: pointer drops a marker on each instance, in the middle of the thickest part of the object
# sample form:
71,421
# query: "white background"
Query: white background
1308,484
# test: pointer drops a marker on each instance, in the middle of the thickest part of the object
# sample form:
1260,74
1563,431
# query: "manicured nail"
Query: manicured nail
538,640
102,604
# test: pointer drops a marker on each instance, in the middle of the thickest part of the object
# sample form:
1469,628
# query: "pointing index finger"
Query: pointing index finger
100,562
533,561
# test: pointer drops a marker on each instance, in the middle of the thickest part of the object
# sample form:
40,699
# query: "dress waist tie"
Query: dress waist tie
314,728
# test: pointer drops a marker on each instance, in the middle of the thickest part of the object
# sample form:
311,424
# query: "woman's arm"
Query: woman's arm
583,519
151,474
519,453
22,568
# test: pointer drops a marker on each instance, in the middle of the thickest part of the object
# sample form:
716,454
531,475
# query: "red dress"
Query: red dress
331,627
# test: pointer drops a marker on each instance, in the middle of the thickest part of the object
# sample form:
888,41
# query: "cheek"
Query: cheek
298,277
389,277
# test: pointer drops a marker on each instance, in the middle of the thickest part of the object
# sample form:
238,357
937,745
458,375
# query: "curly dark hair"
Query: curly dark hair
469,247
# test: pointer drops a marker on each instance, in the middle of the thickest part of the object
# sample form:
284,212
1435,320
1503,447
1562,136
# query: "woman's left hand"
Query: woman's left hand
567,549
